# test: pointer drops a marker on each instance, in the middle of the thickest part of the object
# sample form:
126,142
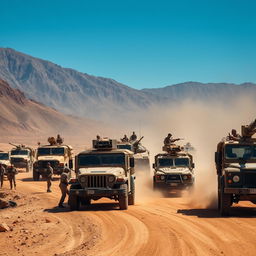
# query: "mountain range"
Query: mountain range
83,95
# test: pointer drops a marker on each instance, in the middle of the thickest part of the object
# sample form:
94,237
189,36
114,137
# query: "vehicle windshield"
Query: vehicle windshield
165,162
181,162
19,152
50,151
4,156
125,146
244,152
101,159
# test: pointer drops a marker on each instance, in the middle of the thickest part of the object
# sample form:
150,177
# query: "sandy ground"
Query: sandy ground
157,226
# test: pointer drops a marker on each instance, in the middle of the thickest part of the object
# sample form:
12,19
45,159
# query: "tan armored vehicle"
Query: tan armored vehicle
173,169
236,169
141,154
5,159
58,155
22,157
103,171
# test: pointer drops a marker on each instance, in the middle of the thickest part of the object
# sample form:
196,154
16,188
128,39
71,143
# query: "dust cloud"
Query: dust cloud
203,124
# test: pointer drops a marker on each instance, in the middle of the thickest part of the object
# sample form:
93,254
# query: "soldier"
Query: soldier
133,137
234,135
11,172
169,140
59,140
64,178
98,137
125,139
49,173
2,171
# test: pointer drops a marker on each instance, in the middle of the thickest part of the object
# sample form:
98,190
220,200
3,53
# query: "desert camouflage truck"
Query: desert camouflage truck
58,155
103,171
173,170
236,169
22,157
141,154
5,159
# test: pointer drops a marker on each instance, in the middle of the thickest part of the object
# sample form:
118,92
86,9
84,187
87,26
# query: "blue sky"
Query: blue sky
139,43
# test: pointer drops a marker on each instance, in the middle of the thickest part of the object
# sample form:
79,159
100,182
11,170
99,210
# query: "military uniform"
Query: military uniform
2,171
133,137
11,172
169,140
49,173
59,140
63,186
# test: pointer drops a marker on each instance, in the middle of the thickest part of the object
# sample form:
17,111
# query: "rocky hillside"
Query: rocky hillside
20,114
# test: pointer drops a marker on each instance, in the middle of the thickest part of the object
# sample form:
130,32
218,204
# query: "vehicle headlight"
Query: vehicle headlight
111,179
162,177
83,179
236,178
185,177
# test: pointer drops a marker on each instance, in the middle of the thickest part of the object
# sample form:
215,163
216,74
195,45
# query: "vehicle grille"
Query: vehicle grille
173,178
43,164
250,180
97,181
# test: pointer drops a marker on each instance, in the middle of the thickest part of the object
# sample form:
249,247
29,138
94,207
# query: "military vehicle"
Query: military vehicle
141,154
236,169
22,157
58,155
173,169
103,171
5,159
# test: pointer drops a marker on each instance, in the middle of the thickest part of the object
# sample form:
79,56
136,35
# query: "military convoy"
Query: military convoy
103,171
173,170
57,154
141,154
22,157
235,160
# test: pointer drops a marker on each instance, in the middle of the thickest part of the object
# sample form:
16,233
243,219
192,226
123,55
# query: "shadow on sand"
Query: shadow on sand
41,179
238,212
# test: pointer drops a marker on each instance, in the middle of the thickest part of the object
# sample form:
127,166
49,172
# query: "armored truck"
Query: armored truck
141,154
58,155
103,171
5,159
173,169
235,161
22,157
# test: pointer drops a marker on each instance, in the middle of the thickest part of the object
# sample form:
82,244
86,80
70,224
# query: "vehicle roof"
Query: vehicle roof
56,146
93,151
241,142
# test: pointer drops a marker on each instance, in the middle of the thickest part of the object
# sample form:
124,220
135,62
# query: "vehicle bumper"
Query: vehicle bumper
241,191
96,192
20,164
173,185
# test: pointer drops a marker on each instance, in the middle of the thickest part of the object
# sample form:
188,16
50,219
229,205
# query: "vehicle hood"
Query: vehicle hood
51,158
6,162
167,170
117,171
20,156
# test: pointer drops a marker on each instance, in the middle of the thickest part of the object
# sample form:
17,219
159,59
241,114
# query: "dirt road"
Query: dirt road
161,226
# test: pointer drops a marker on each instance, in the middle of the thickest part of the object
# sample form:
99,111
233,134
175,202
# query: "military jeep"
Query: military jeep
173,170
5,159
235,160
103,171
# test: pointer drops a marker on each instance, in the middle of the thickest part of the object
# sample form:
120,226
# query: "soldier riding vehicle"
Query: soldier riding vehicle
103,171
236,168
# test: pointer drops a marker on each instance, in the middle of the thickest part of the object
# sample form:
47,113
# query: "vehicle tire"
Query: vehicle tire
123,199
36,175
131,196
225,203
74,202
85,201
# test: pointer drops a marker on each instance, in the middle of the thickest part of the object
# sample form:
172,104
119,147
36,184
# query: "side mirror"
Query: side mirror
193,165
132,162
154,166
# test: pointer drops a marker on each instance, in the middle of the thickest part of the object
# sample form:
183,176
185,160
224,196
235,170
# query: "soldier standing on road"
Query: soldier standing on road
133,137
2,171
11,172
64,178
49,173
169,140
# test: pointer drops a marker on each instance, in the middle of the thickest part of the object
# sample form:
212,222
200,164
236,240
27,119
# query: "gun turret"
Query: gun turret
16,146
249,130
